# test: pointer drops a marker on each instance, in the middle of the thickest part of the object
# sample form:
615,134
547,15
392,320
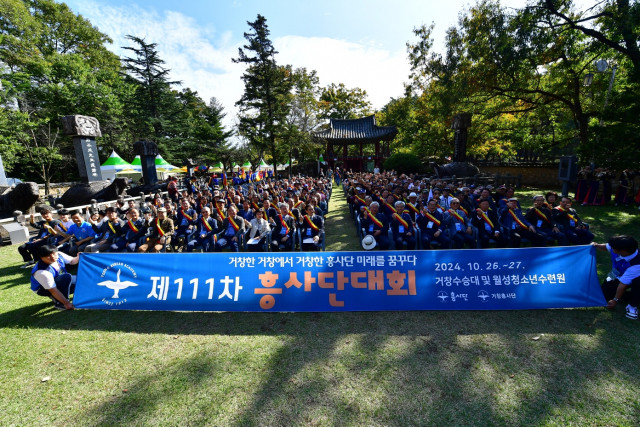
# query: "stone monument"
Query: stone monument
84,130
148,150
459,167
461,124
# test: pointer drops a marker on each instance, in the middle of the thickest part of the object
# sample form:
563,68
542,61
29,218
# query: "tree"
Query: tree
338,102
303,116
154,103
264,104
614,24
519,72
199,133
56,64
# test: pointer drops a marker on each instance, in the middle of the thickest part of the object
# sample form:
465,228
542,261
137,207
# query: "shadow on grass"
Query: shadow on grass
410,368
14,276
246,323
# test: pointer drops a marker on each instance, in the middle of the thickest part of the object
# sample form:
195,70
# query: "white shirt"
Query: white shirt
630,273
45,278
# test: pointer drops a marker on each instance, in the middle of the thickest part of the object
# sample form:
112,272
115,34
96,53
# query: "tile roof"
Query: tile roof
356,129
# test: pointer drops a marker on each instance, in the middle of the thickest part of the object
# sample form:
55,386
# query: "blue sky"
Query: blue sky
358,43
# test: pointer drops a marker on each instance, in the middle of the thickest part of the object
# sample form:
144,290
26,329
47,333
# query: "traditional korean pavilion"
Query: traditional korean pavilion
359,132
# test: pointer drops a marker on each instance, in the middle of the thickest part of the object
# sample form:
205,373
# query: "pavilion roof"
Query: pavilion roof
353,130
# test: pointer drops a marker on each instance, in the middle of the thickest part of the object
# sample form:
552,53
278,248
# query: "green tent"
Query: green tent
137,164
263,165
113,165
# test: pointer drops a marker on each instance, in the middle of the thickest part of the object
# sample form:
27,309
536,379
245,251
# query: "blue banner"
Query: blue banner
491,279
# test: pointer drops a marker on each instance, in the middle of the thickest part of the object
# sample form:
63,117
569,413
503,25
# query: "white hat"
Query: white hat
413,195
369,242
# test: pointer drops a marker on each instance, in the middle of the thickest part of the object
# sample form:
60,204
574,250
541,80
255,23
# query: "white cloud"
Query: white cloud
201,57
380,72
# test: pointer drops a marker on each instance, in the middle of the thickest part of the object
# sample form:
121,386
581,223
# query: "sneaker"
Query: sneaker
28,264
59,306
632,312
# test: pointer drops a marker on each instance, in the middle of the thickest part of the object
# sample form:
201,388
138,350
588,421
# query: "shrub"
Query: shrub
404,163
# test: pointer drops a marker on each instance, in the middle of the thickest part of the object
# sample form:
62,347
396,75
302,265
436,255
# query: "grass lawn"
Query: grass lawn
551,367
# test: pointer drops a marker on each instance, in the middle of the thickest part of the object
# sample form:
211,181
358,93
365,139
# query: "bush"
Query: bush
404,163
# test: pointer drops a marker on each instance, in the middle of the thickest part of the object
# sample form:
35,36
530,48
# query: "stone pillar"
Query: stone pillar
461,124
148,150
84,130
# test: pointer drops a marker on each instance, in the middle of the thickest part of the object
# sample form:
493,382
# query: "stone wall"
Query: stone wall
532,176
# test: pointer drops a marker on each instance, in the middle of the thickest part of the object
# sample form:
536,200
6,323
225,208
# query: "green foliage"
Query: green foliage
404,163
55,63
264,104
338,102
520,73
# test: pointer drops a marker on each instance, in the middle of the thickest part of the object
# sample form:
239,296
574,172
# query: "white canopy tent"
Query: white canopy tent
113,166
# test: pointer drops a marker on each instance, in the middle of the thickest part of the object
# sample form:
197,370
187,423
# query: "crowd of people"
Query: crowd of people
408,212
390,212
275,215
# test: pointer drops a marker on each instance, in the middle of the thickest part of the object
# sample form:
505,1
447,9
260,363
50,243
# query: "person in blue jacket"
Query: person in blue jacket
49,277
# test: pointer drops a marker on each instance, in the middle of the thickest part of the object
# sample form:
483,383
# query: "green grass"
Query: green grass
544,367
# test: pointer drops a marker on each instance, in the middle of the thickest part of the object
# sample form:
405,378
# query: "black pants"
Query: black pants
631,295
63,284
29,250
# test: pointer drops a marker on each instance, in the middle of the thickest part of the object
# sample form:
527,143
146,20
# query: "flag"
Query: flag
224,179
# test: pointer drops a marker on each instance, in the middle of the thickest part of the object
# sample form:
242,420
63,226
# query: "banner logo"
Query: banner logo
117,285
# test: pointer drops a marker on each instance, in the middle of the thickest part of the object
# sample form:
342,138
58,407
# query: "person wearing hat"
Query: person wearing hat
402,227
499,194
459,226
518,227
161,231
46,233
109,230
186,222
231,231
413,206
375,224
49,277
445,199
504,202
432,227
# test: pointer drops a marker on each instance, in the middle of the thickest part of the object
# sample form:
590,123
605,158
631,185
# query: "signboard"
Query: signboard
489,279
87,158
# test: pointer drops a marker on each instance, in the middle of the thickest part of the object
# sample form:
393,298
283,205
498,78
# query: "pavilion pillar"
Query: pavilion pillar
344,156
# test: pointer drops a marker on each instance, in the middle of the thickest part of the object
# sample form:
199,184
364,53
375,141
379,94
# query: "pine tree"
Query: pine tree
264,105
154,101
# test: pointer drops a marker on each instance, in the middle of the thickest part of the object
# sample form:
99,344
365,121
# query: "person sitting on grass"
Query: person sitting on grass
623,283
49,277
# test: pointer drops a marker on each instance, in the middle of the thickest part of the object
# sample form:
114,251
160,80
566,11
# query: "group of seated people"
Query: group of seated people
404,212
276,215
